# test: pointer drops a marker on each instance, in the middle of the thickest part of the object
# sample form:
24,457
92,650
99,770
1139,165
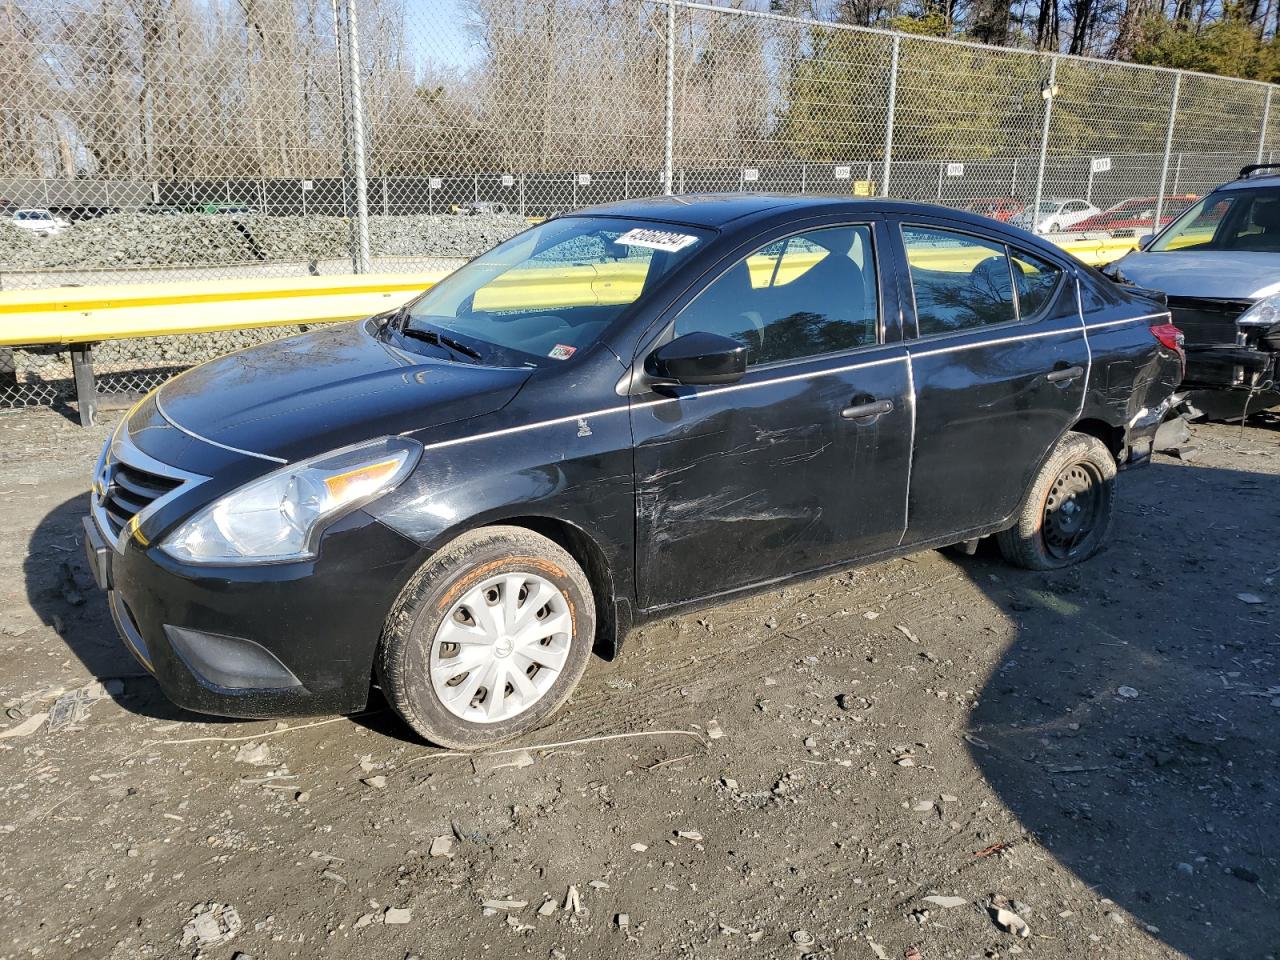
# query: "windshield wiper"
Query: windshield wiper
439,339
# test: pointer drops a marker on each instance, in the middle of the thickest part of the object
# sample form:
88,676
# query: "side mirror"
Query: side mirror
1144,242
696,359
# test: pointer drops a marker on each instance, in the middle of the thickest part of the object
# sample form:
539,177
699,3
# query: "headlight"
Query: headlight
1264,313
280,516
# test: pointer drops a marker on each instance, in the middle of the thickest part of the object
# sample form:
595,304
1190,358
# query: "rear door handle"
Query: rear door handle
863,410
1067,373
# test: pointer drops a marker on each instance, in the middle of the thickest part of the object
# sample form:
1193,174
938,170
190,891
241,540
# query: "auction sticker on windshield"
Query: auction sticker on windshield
656,239
562,351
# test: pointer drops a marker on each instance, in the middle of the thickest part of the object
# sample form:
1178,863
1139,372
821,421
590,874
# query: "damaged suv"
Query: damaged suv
612,415
1219,266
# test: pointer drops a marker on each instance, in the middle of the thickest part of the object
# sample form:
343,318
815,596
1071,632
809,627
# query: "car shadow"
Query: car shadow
60,589
1128,726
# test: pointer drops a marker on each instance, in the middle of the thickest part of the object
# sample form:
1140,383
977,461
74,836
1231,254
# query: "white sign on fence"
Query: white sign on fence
1100,164
750,174
955,169
584,179
843,173
435,183
307,186
508,180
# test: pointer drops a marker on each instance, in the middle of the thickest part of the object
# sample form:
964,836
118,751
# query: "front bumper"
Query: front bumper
265,641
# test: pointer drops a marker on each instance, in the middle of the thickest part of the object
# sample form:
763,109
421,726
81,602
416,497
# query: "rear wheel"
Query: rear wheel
1067,511
488,639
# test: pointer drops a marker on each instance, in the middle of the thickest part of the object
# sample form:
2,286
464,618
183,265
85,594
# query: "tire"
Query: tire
482,569
1066,513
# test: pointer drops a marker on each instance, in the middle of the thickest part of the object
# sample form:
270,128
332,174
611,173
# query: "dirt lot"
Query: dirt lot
1099,746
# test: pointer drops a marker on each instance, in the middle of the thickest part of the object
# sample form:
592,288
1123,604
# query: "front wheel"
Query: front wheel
488,639
1067,511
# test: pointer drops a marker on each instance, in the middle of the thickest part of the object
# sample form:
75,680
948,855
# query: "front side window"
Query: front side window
803,296
552,291
959,280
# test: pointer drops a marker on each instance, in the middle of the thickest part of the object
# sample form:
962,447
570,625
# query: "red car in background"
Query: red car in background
997,208
1136,214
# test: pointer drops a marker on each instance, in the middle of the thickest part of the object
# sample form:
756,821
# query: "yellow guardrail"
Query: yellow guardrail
1096,251
70,315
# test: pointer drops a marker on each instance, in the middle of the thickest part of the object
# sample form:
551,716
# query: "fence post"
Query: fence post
1168,145
1044,139
888,120
669,133
360,253
1266,119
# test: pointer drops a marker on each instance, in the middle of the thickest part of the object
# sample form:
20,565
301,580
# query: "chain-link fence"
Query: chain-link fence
149,141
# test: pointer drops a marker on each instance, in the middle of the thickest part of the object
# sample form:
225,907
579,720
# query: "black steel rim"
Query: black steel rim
1071,510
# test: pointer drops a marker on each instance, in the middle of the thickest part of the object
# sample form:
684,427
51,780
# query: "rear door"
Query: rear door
801,464
999,364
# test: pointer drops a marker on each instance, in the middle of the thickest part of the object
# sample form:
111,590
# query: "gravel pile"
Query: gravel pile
192,239
15,244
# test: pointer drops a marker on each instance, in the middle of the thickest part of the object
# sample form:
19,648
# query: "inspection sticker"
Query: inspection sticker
562,351
656,239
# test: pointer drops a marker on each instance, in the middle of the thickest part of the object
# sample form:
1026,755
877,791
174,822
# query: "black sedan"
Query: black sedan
611,415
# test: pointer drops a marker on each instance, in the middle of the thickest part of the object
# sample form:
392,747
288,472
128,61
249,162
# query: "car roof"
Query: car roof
1250,183
719,210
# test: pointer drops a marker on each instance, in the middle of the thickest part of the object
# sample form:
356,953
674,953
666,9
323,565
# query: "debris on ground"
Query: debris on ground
378,782
211,925
1129,693
484,763
1002,913
26,728
947,903
394,915
255,754
572,902
72,709
442,846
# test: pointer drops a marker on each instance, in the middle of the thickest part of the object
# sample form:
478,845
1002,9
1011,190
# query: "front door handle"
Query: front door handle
862,411
1067,373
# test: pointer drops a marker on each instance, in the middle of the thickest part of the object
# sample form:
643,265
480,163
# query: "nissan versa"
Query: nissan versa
615,413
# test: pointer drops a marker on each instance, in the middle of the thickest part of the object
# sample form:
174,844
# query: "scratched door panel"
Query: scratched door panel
764,479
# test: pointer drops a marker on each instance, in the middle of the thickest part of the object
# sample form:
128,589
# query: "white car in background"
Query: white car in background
1055,215
39,221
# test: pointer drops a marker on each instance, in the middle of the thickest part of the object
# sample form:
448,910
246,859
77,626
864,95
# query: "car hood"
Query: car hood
1214,274
299,397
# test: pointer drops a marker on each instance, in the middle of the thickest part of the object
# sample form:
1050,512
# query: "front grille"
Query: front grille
1206,320
129,490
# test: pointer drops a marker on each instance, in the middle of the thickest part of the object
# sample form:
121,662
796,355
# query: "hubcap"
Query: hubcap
1071,510
501,647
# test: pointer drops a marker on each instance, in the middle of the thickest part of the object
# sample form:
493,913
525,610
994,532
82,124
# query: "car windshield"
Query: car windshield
1238,220
551,291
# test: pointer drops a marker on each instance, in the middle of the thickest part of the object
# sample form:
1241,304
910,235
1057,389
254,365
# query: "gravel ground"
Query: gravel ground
192,239
1097,746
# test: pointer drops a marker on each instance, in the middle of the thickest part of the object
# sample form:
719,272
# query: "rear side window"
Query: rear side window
959,281
1036,280
804,296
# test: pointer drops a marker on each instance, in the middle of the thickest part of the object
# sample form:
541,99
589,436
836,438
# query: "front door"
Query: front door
802,463
999,364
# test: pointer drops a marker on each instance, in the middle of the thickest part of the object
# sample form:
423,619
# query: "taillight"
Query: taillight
1171,337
